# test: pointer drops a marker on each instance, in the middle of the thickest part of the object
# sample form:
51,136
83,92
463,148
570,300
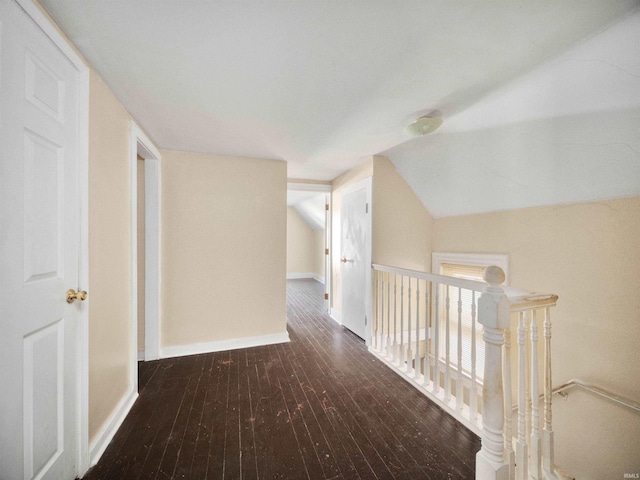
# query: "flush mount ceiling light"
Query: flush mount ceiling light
423,126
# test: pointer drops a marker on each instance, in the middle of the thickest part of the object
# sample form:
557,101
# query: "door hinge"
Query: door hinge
326,206
365,320
326,251
326,296
366,208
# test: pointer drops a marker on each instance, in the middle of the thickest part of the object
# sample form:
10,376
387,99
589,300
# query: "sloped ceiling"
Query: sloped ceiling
540,100
310,206
569,131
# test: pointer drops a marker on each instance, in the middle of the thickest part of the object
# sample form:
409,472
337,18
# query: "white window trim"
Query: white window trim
480,259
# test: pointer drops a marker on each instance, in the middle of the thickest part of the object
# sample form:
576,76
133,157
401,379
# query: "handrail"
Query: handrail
598,391
520,300
593,389
530,301
433,277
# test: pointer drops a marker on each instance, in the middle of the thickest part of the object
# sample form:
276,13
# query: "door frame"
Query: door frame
366,183
140,144
82,361
326,188
327,245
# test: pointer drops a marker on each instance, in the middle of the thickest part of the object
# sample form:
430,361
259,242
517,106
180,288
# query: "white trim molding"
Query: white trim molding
140,144
309,187
315,276
153,280
111,426
223,345
336,316
297,276
480,259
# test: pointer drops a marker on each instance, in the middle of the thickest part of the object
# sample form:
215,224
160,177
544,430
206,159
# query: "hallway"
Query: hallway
319,407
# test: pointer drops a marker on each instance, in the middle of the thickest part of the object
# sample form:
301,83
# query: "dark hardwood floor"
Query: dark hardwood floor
319,407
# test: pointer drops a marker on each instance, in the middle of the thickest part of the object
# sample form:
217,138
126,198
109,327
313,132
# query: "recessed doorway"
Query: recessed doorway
309,233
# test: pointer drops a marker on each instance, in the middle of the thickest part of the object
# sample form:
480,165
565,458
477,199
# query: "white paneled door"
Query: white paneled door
40,236
355,257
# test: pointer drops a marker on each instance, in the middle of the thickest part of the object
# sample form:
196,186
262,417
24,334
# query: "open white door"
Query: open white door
40,340
355,257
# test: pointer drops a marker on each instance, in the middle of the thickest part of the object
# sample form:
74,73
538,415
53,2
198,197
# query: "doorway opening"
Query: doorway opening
309,234
145,249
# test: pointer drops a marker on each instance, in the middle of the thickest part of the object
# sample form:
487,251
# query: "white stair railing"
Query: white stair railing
430,353
426,328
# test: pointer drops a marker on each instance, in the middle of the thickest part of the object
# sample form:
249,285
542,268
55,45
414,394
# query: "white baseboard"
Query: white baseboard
336,316
111,426
141,355
222,345
295,276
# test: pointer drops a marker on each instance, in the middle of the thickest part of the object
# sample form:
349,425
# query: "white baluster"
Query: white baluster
493,314
387,343
527,371
427,358
521,444
401,356
447,339
547,445
534,441
473,393
377,300
409,352
508,401
459,394
395,315
436,341
382,344
417,351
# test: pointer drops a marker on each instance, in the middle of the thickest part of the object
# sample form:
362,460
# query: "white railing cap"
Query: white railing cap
433,277
529,301
520,300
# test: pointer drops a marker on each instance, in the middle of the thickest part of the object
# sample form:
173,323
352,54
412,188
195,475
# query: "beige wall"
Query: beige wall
141,252
109,254
401,226
300,244
223,248
588,255
305,246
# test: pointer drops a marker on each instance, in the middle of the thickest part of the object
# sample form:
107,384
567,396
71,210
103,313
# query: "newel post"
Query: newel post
494,315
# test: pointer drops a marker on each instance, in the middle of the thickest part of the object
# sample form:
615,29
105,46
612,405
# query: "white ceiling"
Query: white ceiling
540,100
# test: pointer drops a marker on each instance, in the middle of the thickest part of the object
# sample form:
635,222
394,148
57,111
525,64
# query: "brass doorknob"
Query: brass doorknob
72,295
344,260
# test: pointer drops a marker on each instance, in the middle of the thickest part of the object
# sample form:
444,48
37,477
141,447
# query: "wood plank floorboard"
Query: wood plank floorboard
319,407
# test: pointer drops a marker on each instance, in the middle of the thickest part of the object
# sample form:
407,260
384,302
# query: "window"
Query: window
469,267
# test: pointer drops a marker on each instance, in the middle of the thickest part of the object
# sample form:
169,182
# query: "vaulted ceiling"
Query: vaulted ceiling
540,100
